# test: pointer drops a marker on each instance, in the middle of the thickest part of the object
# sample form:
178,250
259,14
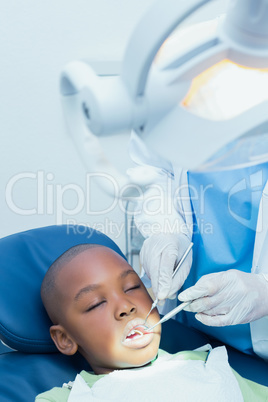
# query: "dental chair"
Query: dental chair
29,361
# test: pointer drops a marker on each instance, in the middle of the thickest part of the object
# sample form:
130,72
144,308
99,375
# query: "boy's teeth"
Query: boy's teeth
134,332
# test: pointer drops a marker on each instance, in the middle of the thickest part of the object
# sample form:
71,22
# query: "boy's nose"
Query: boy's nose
125,310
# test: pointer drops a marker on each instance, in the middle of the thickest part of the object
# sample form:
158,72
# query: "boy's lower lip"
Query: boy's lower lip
139,342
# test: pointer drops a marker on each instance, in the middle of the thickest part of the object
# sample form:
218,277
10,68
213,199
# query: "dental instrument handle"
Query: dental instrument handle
182,259
171,314
174,273
153,306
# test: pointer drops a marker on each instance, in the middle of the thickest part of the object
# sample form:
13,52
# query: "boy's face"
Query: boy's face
102,300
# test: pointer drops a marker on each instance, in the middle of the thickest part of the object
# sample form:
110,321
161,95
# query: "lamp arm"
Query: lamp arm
149,35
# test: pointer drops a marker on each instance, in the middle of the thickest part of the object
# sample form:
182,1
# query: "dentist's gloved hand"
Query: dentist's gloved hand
159,255
228,298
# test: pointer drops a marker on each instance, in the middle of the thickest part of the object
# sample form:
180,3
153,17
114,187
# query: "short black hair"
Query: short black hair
48,285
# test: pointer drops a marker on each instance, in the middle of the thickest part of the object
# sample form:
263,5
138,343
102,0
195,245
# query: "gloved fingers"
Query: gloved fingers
218,310
143,261
159,279
150,260
230,298
181,275
183,243
211,305
208,285
188,309
168,260
151,252
155,281
172,297
216,320
158,256
194,292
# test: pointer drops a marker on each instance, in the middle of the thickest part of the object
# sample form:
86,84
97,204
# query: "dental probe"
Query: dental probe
169,315
174,273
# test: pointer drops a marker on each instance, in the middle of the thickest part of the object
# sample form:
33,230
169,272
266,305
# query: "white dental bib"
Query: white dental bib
168,379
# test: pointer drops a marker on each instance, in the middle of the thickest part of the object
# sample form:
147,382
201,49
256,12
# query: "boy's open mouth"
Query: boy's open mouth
136,333
137,337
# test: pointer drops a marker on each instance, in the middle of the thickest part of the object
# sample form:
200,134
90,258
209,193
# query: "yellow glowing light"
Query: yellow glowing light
226,90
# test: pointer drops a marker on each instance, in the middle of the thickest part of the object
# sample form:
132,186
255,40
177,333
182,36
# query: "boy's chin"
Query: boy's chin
149,361
131,364
142,362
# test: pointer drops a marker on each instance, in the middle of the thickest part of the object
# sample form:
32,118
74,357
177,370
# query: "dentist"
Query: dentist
223,209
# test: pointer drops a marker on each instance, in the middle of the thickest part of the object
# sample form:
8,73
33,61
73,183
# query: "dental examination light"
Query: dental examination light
168,87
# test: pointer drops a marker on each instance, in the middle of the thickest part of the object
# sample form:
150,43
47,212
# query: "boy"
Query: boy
98,305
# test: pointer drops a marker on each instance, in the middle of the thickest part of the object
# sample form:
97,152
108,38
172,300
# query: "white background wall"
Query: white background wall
37,38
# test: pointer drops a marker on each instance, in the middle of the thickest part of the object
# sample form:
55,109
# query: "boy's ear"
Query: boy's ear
62,340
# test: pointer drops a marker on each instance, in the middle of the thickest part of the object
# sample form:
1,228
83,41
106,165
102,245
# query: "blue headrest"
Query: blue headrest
25,257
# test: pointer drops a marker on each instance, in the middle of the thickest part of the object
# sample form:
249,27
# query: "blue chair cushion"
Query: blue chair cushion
25,258
24,375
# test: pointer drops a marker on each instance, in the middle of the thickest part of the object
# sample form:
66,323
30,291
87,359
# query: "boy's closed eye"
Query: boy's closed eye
128,289
95,305
132,287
